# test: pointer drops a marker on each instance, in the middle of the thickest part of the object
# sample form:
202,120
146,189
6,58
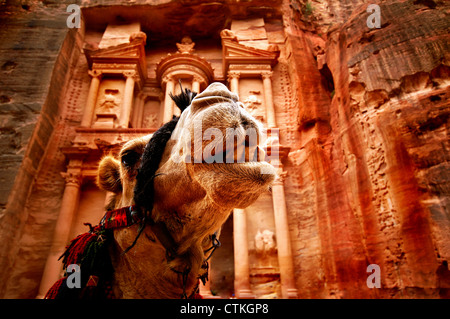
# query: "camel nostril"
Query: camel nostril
245,123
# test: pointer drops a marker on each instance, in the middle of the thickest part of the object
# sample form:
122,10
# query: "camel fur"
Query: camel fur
191,197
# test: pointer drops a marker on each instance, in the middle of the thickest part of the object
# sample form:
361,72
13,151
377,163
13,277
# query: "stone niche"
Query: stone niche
109,101
262,246
151,115
252,96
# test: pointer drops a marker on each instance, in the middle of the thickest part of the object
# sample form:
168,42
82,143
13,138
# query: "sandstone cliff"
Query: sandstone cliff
372,166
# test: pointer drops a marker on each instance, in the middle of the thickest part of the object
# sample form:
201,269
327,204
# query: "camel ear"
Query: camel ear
108,177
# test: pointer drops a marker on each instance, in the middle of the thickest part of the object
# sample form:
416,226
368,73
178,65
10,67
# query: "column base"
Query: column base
245,294
292,293
206,293
210,296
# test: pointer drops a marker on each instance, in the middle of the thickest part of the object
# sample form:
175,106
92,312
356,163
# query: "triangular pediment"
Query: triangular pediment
133,50
238,53
124,56
235,49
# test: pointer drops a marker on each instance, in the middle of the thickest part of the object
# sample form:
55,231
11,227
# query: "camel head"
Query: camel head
192,172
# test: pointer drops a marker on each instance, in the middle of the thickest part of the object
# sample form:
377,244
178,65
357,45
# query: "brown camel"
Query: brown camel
182,196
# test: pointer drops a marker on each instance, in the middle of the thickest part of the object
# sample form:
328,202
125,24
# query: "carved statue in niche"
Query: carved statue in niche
151,120
186,45
252,104
265,242
110,102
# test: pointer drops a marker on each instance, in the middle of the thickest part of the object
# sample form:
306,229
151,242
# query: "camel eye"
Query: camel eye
129,158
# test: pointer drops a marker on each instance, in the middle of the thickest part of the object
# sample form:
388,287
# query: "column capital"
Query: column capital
266,74
129,74
198,78
95,73
72,178
168,78
280,178
142,95
233,75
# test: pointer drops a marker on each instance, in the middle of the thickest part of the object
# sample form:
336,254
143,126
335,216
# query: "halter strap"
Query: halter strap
121,217
131,215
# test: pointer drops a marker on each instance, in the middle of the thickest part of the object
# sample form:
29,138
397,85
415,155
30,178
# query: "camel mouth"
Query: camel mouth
259,173
240,154
234,185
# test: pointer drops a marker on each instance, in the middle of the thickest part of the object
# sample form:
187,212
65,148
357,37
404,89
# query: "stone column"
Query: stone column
268,97
241,262
138,112
196,84
168,102
92,98
127,99
285,260
69,204
233,78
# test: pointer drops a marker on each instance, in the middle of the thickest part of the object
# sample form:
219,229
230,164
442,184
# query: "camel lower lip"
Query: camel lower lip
252,168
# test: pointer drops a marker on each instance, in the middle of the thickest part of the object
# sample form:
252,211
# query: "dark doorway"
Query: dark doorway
222,263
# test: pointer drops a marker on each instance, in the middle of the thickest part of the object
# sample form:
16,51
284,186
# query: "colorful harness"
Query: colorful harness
90,252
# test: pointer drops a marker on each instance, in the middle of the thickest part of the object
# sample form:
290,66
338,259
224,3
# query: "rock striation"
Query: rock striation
373,170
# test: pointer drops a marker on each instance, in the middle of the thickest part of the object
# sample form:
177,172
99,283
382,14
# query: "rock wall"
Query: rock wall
37,54
372,164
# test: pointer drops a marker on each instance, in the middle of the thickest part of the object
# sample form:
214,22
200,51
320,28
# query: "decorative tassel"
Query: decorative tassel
90,290
74,252
90,252
52,293
96,260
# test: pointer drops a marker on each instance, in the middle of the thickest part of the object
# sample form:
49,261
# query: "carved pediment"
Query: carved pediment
122,56
237,53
